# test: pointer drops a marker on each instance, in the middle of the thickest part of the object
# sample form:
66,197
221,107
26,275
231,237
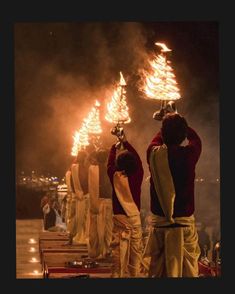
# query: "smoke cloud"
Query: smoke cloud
62,68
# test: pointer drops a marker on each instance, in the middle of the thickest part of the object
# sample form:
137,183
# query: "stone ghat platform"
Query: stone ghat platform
61,260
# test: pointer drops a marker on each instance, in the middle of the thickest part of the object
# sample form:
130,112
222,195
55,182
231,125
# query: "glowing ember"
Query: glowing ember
117,109
160,83
32,241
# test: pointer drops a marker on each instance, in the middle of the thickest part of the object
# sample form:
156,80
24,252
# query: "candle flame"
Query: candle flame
33,260
32,241
32,249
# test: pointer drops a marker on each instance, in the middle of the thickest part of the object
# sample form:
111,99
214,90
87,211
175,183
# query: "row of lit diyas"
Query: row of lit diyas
159,84
35,273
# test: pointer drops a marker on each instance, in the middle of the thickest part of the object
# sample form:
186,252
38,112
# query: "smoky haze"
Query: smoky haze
62,68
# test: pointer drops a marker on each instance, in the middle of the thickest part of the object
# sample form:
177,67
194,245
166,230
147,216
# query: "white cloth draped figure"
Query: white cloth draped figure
100,230
127,232
80,203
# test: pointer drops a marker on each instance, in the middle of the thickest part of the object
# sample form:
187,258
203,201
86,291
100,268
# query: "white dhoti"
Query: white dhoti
71,222
127,232
172,251
126,246
82,208
79,207
101,225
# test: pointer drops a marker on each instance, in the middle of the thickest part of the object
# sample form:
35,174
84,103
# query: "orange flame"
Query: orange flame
160,84
164,47
93,123
80,140
97,103
122,80
117,109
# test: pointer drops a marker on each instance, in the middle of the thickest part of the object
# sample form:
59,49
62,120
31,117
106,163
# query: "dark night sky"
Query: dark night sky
61,68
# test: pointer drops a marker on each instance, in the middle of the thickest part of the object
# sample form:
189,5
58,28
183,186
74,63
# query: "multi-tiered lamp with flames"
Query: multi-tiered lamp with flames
94,125
80,140
160,84
89,133
118,111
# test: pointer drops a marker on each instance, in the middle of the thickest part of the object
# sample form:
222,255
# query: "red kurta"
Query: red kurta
182,163
135,180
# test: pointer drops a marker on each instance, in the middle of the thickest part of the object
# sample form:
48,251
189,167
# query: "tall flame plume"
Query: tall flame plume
91,126
93,120
160,83
117,109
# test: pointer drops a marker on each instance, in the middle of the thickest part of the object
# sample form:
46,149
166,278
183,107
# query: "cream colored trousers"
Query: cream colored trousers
77,214
172,252
100,230
126,246
81,228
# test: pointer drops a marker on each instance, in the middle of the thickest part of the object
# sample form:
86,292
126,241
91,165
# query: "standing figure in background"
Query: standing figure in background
80,197
216,238
48,218
172,248
204,241
68,212
126,175
52,217
100,233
